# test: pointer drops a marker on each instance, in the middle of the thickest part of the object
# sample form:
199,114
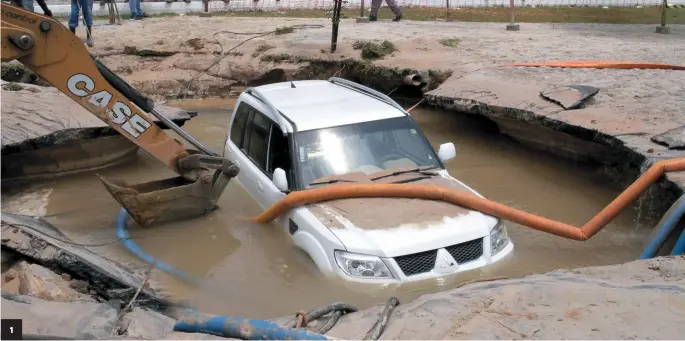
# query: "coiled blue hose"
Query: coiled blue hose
665,228
122,234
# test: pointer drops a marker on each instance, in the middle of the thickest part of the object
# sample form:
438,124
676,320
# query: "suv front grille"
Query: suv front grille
466,252
418,263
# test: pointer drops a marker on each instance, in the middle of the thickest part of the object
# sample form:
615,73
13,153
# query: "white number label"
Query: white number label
131,121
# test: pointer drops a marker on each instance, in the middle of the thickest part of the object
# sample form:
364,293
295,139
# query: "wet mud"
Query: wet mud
389,212
255,271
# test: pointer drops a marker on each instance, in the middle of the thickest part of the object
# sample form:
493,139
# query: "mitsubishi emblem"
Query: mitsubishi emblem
444,262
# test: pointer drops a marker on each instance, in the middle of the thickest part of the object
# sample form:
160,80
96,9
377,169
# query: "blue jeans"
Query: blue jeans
27,5
85,6
134,6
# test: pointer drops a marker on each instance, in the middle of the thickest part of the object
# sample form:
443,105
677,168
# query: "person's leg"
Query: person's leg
375,5
139,9
73,16
27,5
395,9
45,8
134,9
86,9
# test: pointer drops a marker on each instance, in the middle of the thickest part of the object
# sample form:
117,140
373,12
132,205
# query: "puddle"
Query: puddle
254,271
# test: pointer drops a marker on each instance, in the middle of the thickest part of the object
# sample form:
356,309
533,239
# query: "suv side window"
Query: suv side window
279,153
257,138
238,126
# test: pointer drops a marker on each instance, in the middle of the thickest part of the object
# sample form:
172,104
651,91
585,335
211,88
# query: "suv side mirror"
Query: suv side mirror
280,180
447,151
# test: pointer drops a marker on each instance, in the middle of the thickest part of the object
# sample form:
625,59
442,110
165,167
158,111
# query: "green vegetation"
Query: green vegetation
283,58
374,50
284,30
12,87
261,48
450,42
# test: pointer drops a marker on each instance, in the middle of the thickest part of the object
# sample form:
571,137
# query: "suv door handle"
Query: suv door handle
260,187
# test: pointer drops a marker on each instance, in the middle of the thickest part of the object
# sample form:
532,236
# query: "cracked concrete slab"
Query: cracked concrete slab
673,139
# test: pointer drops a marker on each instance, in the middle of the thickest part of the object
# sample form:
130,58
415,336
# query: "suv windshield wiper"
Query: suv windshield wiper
329,182
419,170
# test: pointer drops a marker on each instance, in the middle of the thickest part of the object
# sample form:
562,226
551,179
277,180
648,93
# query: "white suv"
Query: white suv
297,135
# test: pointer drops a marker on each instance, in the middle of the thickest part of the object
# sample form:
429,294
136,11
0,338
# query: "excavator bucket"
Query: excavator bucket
169,199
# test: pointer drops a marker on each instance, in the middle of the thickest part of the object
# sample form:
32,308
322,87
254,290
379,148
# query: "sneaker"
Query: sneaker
140,17
89,41
145,15
373,18
397,17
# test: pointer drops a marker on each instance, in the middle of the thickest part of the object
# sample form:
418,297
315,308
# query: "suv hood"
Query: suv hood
390,227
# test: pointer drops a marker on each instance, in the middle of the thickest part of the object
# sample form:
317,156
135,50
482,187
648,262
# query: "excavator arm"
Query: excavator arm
50,50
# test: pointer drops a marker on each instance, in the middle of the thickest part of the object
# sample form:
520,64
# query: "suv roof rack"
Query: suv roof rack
282,122
368,91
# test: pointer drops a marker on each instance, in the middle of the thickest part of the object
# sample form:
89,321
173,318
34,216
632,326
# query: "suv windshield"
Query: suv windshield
367,147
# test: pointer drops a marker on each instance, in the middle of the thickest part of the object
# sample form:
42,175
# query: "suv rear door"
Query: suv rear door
251,133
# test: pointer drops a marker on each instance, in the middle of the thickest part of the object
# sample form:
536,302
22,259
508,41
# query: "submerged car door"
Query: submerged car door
255,148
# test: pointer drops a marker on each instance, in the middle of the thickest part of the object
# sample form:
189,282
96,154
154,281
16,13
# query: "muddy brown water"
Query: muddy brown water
254,271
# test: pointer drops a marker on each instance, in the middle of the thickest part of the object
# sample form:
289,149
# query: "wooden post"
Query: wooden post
663,29
206,13
110,9
336,22
512,22
362,18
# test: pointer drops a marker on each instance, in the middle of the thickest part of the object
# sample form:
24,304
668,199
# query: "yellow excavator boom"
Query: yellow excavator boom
50,50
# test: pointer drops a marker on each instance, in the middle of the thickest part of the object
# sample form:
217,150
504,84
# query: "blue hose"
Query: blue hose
665,228
122,234
679,247
195,322
240,328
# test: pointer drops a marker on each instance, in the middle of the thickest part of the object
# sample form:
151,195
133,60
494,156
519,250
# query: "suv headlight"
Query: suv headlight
361,266
499,238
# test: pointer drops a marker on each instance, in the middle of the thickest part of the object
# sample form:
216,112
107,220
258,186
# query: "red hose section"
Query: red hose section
346,191
602,65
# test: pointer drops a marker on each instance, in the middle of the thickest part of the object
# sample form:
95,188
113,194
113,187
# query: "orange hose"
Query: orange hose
345,191
602,65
